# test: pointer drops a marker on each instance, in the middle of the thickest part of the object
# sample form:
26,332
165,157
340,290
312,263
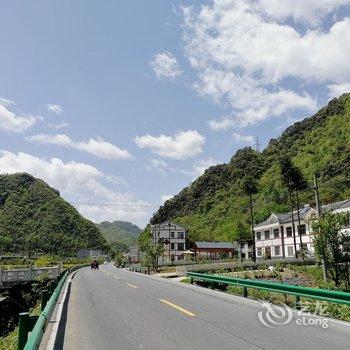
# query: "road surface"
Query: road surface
117,309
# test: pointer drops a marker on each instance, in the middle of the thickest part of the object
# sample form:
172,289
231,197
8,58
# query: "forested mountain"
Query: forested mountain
33,217
215,207
119,234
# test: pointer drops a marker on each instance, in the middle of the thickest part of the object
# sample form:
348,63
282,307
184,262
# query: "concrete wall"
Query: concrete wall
25,275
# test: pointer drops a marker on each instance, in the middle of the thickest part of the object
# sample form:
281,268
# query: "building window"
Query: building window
277,250
290,250
180,235
267,234
172,246
289,232
276,232
302,230
259,251
180,246
258,236
172,234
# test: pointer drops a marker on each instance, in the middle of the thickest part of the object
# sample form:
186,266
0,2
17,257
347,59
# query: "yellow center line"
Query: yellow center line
177,307
132,285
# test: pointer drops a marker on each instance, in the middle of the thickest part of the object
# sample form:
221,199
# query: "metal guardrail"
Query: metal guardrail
305,292
37,324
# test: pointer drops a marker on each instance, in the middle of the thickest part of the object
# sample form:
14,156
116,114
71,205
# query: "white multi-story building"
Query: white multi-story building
274,237
173,237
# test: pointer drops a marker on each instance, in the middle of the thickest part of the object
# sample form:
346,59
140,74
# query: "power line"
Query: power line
117,205
281,198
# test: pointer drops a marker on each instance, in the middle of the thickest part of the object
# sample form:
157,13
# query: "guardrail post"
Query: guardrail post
23,330
51,287
191,281
245,292
45,296
297,302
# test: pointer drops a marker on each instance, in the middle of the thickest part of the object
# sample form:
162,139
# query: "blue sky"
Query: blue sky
126,102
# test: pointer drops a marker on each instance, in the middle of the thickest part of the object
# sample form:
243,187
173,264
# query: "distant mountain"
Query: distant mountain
214,207
119,234
33,217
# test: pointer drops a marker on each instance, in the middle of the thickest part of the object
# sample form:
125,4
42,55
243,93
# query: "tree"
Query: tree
298,184
288,177
241,233
329,242
144,239
250,187
152,253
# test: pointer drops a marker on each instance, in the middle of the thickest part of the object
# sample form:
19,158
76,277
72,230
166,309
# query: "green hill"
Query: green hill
33,217
213,207
119,234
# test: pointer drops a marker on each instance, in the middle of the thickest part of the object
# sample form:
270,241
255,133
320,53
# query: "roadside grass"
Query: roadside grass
186,280
167,269
10,341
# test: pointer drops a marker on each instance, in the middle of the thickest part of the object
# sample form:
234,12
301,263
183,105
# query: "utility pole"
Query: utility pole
317,198
319,214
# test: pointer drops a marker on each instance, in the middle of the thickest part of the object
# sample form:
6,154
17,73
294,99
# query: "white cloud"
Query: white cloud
54,108
243,56
157,165
13,122
184,144
311,11
79,183
222,124
165,197
165,65
56,126
98,147
336,90
5,102
239,138
200,166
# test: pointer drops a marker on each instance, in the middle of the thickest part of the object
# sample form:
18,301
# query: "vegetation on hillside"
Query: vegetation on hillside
34,218
119,234
213,204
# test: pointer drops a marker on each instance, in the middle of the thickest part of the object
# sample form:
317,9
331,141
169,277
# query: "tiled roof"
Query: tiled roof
287,217
172,224
337,205
214,245
283,218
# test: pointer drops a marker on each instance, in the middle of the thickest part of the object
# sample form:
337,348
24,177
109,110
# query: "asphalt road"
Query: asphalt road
117,309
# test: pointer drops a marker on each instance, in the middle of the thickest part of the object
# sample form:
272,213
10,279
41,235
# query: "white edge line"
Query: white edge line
54,330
